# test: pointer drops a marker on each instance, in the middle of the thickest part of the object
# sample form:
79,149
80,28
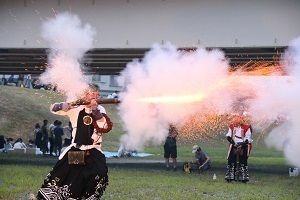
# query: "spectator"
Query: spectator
58,133
28,81
20,80
11,79
68,134
2,143
9,144
170,148
19,144
38,135
4,81
114,95
51,136
202,159
36,84
45,139
30,143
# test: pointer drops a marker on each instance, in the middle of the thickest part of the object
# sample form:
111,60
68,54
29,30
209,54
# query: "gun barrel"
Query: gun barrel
99,101
108,101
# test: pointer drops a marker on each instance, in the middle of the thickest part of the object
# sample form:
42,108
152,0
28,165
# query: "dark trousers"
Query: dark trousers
45,145
67,142
57,146
237,170
51,141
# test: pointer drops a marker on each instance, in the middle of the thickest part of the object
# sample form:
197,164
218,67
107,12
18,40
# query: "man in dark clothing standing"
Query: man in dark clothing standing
58,133
170,148
51,136
45,137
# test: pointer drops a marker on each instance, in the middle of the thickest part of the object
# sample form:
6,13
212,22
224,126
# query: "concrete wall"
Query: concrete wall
141,23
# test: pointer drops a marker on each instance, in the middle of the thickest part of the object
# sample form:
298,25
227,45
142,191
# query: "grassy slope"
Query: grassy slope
21,109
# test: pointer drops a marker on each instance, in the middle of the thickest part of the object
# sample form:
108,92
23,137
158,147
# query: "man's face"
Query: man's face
92,95
238,124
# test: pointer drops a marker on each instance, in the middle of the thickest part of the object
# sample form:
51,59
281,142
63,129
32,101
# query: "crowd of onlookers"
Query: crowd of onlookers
25,82
9,144
49,139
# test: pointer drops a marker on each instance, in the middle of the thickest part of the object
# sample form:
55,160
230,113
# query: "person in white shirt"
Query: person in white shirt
67,134
19,144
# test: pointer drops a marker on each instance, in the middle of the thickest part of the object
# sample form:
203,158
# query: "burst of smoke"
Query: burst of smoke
287,135
168,72
68,41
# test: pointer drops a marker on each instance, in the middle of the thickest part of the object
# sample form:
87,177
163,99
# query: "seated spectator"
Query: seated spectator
9,144
2,143
114,95
19,144
31,143
4,81
202,159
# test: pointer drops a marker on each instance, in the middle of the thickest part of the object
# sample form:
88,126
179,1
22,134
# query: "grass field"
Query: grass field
137,178
268,179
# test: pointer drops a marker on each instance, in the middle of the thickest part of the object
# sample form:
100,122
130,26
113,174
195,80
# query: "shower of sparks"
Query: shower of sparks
212,125
203,127
259,68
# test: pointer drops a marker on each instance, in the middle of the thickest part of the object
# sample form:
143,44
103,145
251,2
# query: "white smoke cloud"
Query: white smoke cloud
287,136
68,40
168,72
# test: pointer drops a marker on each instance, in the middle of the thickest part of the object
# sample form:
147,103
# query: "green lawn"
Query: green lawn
268,170
267,167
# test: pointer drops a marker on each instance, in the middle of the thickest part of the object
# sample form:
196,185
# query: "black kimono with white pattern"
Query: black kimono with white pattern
68,181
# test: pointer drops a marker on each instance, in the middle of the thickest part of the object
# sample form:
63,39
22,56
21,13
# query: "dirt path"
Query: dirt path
134,163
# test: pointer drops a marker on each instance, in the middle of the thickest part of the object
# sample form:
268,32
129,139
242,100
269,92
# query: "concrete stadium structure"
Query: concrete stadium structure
256,30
